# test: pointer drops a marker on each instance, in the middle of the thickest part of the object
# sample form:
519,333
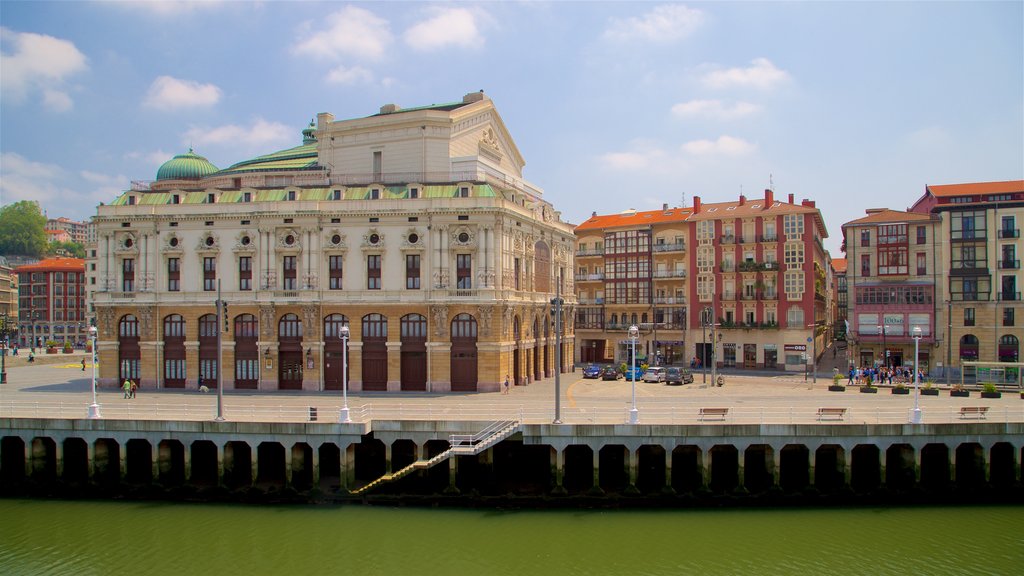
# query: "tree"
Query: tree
72,249
22,229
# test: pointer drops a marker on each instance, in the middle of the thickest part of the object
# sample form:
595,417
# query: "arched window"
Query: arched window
633,319
464,326
332,326
289,326
615,320
208,326
128,327
414,326
246,326
375,326
969,347
174,326
1009,348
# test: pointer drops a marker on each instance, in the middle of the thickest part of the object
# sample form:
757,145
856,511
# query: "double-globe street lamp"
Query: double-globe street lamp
634,334
344,416
94,408
915,414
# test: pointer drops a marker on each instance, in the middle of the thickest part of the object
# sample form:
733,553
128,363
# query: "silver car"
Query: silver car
654,374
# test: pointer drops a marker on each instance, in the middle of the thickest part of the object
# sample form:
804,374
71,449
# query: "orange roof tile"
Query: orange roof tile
755,207
839,265
947,190
632,218
886,215
54,265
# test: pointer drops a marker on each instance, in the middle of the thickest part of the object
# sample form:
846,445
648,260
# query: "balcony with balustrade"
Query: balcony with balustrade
673,247
669,274
594,277
1009,232
1008,264
588,252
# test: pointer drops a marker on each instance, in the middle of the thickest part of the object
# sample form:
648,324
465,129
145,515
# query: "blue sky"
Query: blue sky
614,105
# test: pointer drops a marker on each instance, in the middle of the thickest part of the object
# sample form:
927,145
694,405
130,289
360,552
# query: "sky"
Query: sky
614,105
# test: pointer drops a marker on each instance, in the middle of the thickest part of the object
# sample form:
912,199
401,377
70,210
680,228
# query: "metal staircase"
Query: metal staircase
460,445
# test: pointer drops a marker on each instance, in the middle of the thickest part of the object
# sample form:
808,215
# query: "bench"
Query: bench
831,413
977,412
716,413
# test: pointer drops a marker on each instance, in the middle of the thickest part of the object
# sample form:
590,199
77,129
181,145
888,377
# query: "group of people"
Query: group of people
696,364
129,388
882,375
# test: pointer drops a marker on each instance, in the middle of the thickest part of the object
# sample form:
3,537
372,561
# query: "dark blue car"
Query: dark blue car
592,371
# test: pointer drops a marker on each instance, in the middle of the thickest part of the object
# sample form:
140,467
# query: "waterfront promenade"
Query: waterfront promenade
60,389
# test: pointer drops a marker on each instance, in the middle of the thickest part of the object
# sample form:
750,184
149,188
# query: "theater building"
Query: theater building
414,228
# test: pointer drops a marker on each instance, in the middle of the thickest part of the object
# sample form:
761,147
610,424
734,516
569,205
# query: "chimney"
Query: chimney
696,204
389,108
769,198
790,198
743,199
594,214
807,203
664,207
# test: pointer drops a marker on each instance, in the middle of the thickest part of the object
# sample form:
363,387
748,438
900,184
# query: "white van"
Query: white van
654,374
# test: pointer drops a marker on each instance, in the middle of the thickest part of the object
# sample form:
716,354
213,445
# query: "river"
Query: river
82,538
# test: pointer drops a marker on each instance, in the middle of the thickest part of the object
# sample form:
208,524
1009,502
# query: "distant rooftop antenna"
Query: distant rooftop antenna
682,199
771,185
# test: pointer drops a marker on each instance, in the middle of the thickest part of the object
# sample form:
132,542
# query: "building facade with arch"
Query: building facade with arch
412,228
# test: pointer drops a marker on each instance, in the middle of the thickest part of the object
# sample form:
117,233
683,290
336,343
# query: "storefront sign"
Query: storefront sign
796,347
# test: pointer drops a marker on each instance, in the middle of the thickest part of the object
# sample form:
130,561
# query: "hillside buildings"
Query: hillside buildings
75,231
411,228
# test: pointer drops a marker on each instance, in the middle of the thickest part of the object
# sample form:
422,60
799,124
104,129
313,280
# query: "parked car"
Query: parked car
633,373
592,371
610,373
678,376
654,374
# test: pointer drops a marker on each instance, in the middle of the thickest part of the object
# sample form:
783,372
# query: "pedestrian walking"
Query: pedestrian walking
134,388
83,364
506,384
127,387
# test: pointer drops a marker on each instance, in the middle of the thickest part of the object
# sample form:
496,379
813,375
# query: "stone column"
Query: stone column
155,460
348,469
58,456
812,459
632,458
917,463
29,464
288,456
187,461
848,465
705,472
220,464
254,461
667,488
595,485
315,466
122,460
453,469
387,458
776,465
90,458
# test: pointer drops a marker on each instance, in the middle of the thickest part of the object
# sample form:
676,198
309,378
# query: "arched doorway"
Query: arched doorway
375,352
334,351
1009,348
517,351
128,351
289,353
247,352
208,373
463,355
414,352
541,267
174,351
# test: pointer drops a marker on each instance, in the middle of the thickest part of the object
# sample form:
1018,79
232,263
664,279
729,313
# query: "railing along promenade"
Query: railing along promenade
652,412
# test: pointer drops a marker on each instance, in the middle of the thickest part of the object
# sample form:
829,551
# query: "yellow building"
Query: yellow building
413,228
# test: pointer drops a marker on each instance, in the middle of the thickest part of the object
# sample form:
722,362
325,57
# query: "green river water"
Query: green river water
139,538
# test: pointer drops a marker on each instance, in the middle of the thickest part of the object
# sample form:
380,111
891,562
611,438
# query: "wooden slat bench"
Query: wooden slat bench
713,413
977,412
831,413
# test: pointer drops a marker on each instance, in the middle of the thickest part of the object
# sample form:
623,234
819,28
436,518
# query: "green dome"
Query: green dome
190,165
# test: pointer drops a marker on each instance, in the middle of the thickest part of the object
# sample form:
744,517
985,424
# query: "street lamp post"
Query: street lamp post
344,417
4,332
94,408
634,414
915,414
885,350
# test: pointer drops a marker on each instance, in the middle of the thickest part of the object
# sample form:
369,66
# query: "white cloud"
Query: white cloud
448,27
36,62
350,75
155,158
260,134
725,145
57,100
351,32
24,179
713,109
165,8
761,74
168,93
663,24
628,161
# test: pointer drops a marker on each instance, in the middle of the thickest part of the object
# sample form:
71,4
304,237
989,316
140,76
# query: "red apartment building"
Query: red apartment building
51,302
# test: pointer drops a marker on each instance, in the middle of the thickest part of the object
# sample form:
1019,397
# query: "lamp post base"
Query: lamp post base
94,411
634,416
915,415
344,417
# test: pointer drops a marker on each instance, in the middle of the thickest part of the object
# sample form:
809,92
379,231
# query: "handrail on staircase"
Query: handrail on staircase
472,439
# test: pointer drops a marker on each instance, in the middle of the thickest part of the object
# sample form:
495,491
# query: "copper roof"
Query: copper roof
947,190
633,218
54,265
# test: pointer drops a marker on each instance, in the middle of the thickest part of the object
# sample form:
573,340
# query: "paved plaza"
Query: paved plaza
56,387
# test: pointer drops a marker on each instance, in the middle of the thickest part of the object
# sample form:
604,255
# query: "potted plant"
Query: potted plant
989,390
836,386
51,346
958,391
900,389
928,390
67,348
868,388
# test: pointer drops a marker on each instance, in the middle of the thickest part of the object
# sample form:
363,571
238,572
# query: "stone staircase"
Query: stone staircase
460,445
